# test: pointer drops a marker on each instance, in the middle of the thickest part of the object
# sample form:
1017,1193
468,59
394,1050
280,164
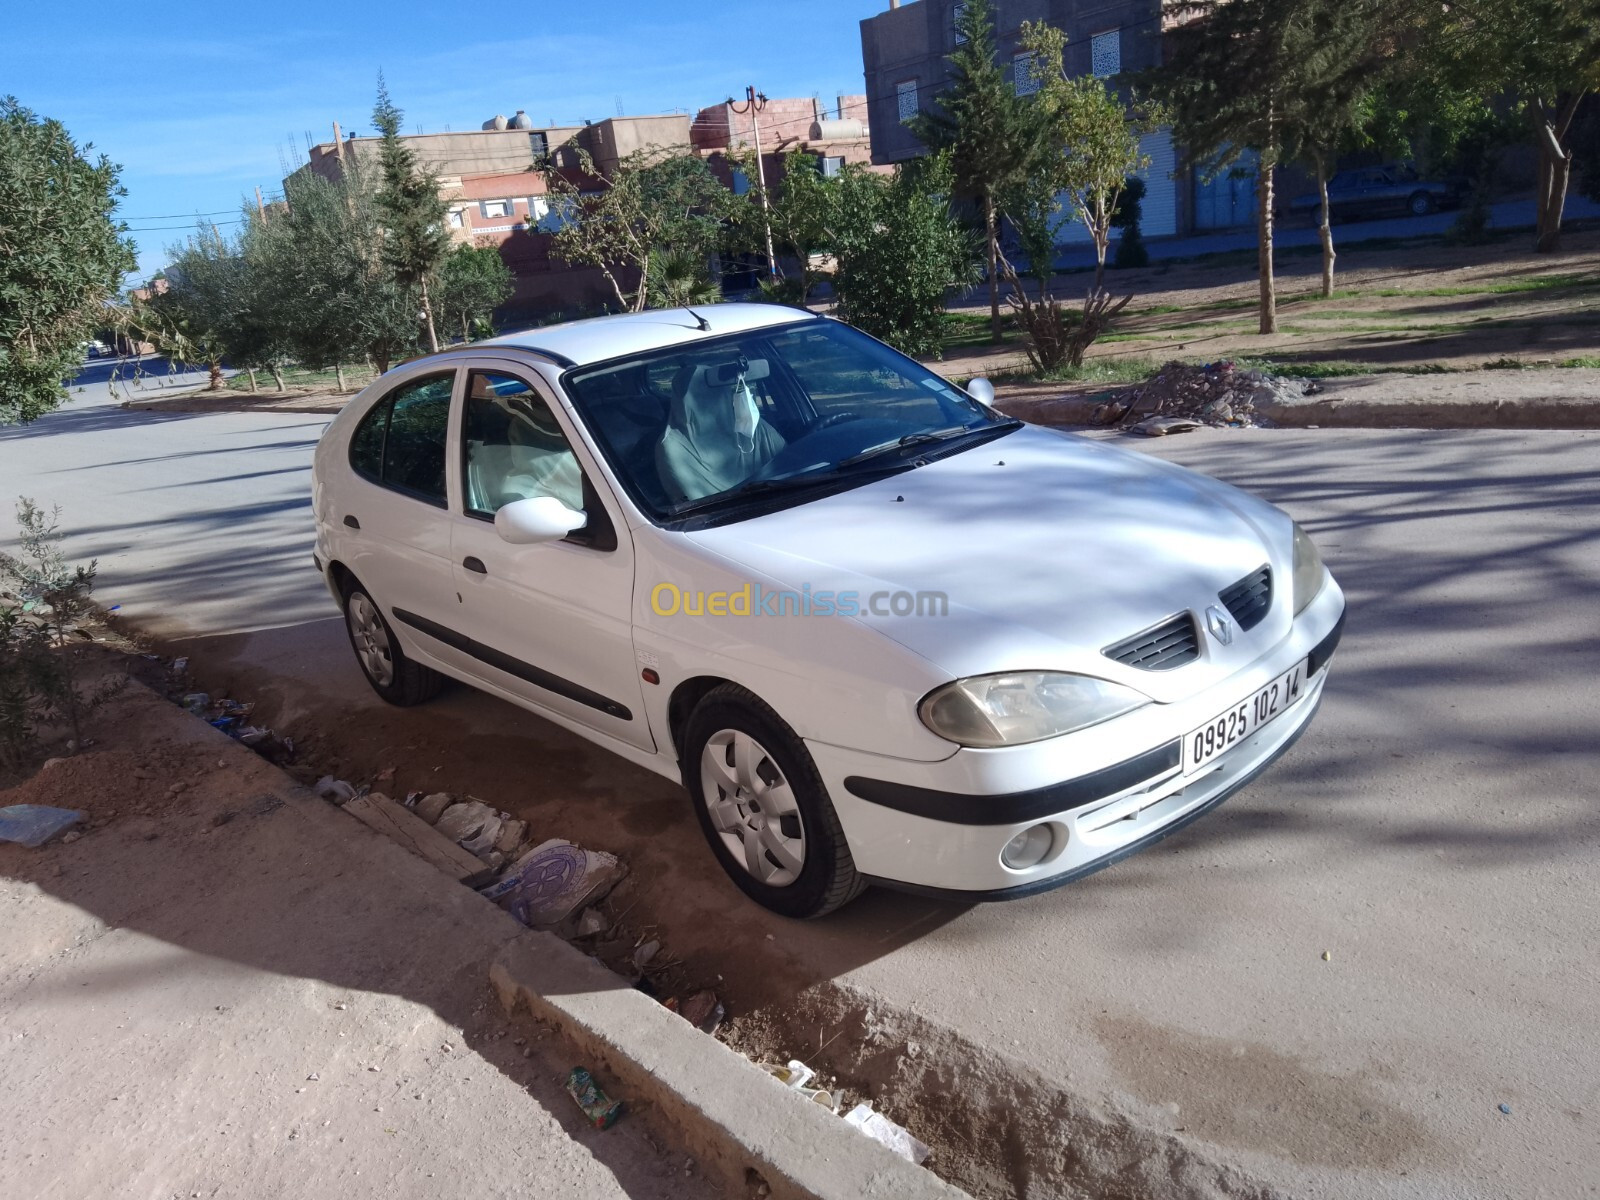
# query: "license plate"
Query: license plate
1230,727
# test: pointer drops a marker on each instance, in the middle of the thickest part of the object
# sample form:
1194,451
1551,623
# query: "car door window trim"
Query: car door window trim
502,661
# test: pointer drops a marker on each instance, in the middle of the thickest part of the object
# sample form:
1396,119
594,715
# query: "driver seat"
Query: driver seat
700,454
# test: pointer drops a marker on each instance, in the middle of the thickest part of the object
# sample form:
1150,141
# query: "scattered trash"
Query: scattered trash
512,835
336,790
196,702
384,776
466,822
552,882
592,923
644,953
1161,426
431,807
600,1108
1506,1109
32,825
881,1129
796,1075
703,1010
179,665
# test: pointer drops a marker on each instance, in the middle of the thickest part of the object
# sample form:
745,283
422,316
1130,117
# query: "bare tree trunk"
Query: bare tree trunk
1269,290
427,316
251,371
1555,173
277,375
338,375
215,377
643,295
992,228
1325,232
1102,242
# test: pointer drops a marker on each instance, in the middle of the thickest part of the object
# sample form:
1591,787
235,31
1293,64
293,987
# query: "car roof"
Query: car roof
577,343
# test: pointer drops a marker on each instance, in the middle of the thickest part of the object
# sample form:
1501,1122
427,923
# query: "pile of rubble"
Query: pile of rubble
1181,397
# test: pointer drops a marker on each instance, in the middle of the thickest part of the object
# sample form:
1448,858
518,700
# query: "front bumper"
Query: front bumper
940,827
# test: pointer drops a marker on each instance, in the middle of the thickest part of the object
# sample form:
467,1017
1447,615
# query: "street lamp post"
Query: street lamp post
754,103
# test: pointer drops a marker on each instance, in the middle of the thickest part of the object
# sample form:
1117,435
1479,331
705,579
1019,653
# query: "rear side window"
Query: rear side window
400,443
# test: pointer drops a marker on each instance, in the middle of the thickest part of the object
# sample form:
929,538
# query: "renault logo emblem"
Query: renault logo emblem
1220,625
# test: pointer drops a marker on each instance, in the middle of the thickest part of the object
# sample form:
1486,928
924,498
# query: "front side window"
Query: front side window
400,442
513,448
703,429
906,97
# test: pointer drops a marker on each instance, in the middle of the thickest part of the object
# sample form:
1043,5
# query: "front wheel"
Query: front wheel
1421,204
763,807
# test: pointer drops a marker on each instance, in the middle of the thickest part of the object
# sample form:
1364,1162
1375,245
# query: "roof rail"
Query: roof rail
550,356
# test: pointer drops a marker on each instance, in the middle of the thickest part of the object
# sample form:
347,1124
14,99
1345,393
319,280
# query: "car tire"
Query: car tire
1420,204
392,675
738,756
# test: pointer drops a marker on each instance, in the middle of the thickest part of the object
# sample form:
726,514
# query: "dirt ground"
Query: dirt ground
1427,306
216,989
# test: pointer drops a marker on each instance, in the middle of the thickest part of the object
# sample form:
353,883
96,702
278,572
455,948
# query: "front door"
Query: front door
551,623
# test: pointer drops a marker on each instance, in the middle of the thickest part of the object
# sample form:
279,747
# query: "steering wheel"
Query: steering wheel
829,422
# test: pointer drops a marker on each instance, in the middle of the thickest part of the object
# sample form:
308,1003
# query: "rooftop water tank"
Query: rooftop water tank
497,121
522,120
849,130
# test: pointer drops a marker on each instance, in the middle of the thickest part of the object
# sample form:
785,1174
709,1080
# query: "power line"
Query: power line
179,228
181,216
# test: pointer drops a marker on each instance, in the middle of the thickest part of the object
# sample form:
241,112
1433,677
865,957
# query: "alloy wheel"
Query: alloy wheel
752,807
370,638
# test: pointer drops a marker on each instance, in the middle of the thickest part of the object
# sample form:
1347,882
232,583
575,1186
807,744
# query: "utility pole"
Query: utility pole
754,103
261,209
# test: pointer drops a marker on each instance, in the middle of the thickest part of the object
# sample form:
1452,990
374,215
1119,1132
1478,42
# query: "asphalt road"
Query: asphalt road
1435,833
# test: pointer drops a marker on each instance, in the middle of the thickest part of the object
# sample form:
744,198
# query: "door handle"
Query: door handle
475,565
351,522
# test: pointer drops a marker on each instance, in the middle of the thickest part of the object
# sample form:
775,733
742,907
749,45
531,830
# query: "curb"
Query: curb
734,1117
1333,413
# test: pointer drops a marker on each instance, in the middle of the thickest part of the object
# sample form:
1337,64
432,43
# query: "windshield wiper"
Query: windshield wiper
919,439
782,483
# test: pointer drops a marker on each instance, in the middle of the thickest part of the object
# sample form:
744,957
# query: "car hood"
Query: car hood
1049,547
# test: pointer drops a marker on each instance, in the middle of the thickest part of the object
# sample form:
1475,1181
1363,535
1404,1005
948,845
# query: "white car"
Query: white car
880,632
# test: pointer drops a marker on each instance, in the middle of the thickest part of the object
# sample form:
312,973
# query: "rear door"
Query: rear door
551,623
393,515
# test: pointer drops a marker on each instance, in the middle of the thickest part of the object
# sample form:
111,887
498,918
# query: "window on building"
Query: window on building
1105,53
495,208
958,11
906,94
1025,74
457,218
832,164
741,181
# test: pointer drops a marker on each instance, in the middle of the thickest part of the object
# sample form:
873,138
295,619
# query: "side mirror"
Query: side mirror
981,390
538,519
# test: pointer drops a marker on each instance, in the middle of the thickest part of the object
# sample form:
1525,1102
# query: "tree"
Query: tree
473,282
990,134
198,317
655,202
410,210
1239,76
898,250
798,214
1090,138
1344,45
1544,56
1129,217
62,257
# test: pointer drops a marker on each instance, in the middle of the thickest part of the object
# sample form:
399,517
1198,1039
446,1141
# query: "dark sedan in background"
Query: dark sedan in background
1379,192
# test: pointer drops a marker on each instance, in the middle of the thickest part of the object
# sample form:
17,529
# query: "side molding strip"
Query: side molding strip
514,666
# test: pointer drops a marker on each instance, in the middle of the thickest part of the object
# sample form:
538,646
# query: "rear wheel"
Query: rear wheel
1421,204
763,807
392,675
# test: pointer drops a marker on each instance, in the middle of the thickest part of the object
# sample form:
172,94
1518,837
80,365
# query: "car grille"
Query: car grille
1250,599
1170,644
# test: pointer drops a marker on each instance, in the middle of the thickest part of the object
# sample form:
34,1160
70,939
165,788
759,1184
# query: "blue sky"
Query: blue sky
200,101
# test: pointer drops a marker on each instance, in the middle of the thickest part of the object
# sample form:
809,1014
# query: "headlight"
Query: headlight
1308,572
1023,706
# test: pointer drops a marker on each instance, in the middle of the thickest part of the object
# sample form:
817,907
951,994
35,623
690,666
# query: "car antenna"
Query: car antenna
705,325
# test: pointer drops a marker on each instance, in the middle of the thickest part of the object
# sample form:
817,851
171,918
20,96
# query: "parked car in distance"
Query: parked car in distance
1378,192
880,632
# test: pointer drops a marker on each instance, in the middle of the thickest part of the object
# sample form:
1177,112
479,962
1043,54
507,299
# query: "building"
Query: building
905,56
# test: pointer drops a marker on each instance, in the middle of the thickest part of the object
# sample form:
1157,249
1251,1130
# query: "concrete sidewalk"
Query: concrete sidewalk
236,992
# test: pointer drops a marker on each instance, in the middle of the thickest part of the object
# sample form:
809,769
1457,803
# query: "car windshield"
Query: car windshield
719,425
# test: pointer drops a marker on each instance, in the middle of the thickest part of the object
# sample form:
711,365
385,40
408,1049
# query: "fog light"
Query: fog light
1028,848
